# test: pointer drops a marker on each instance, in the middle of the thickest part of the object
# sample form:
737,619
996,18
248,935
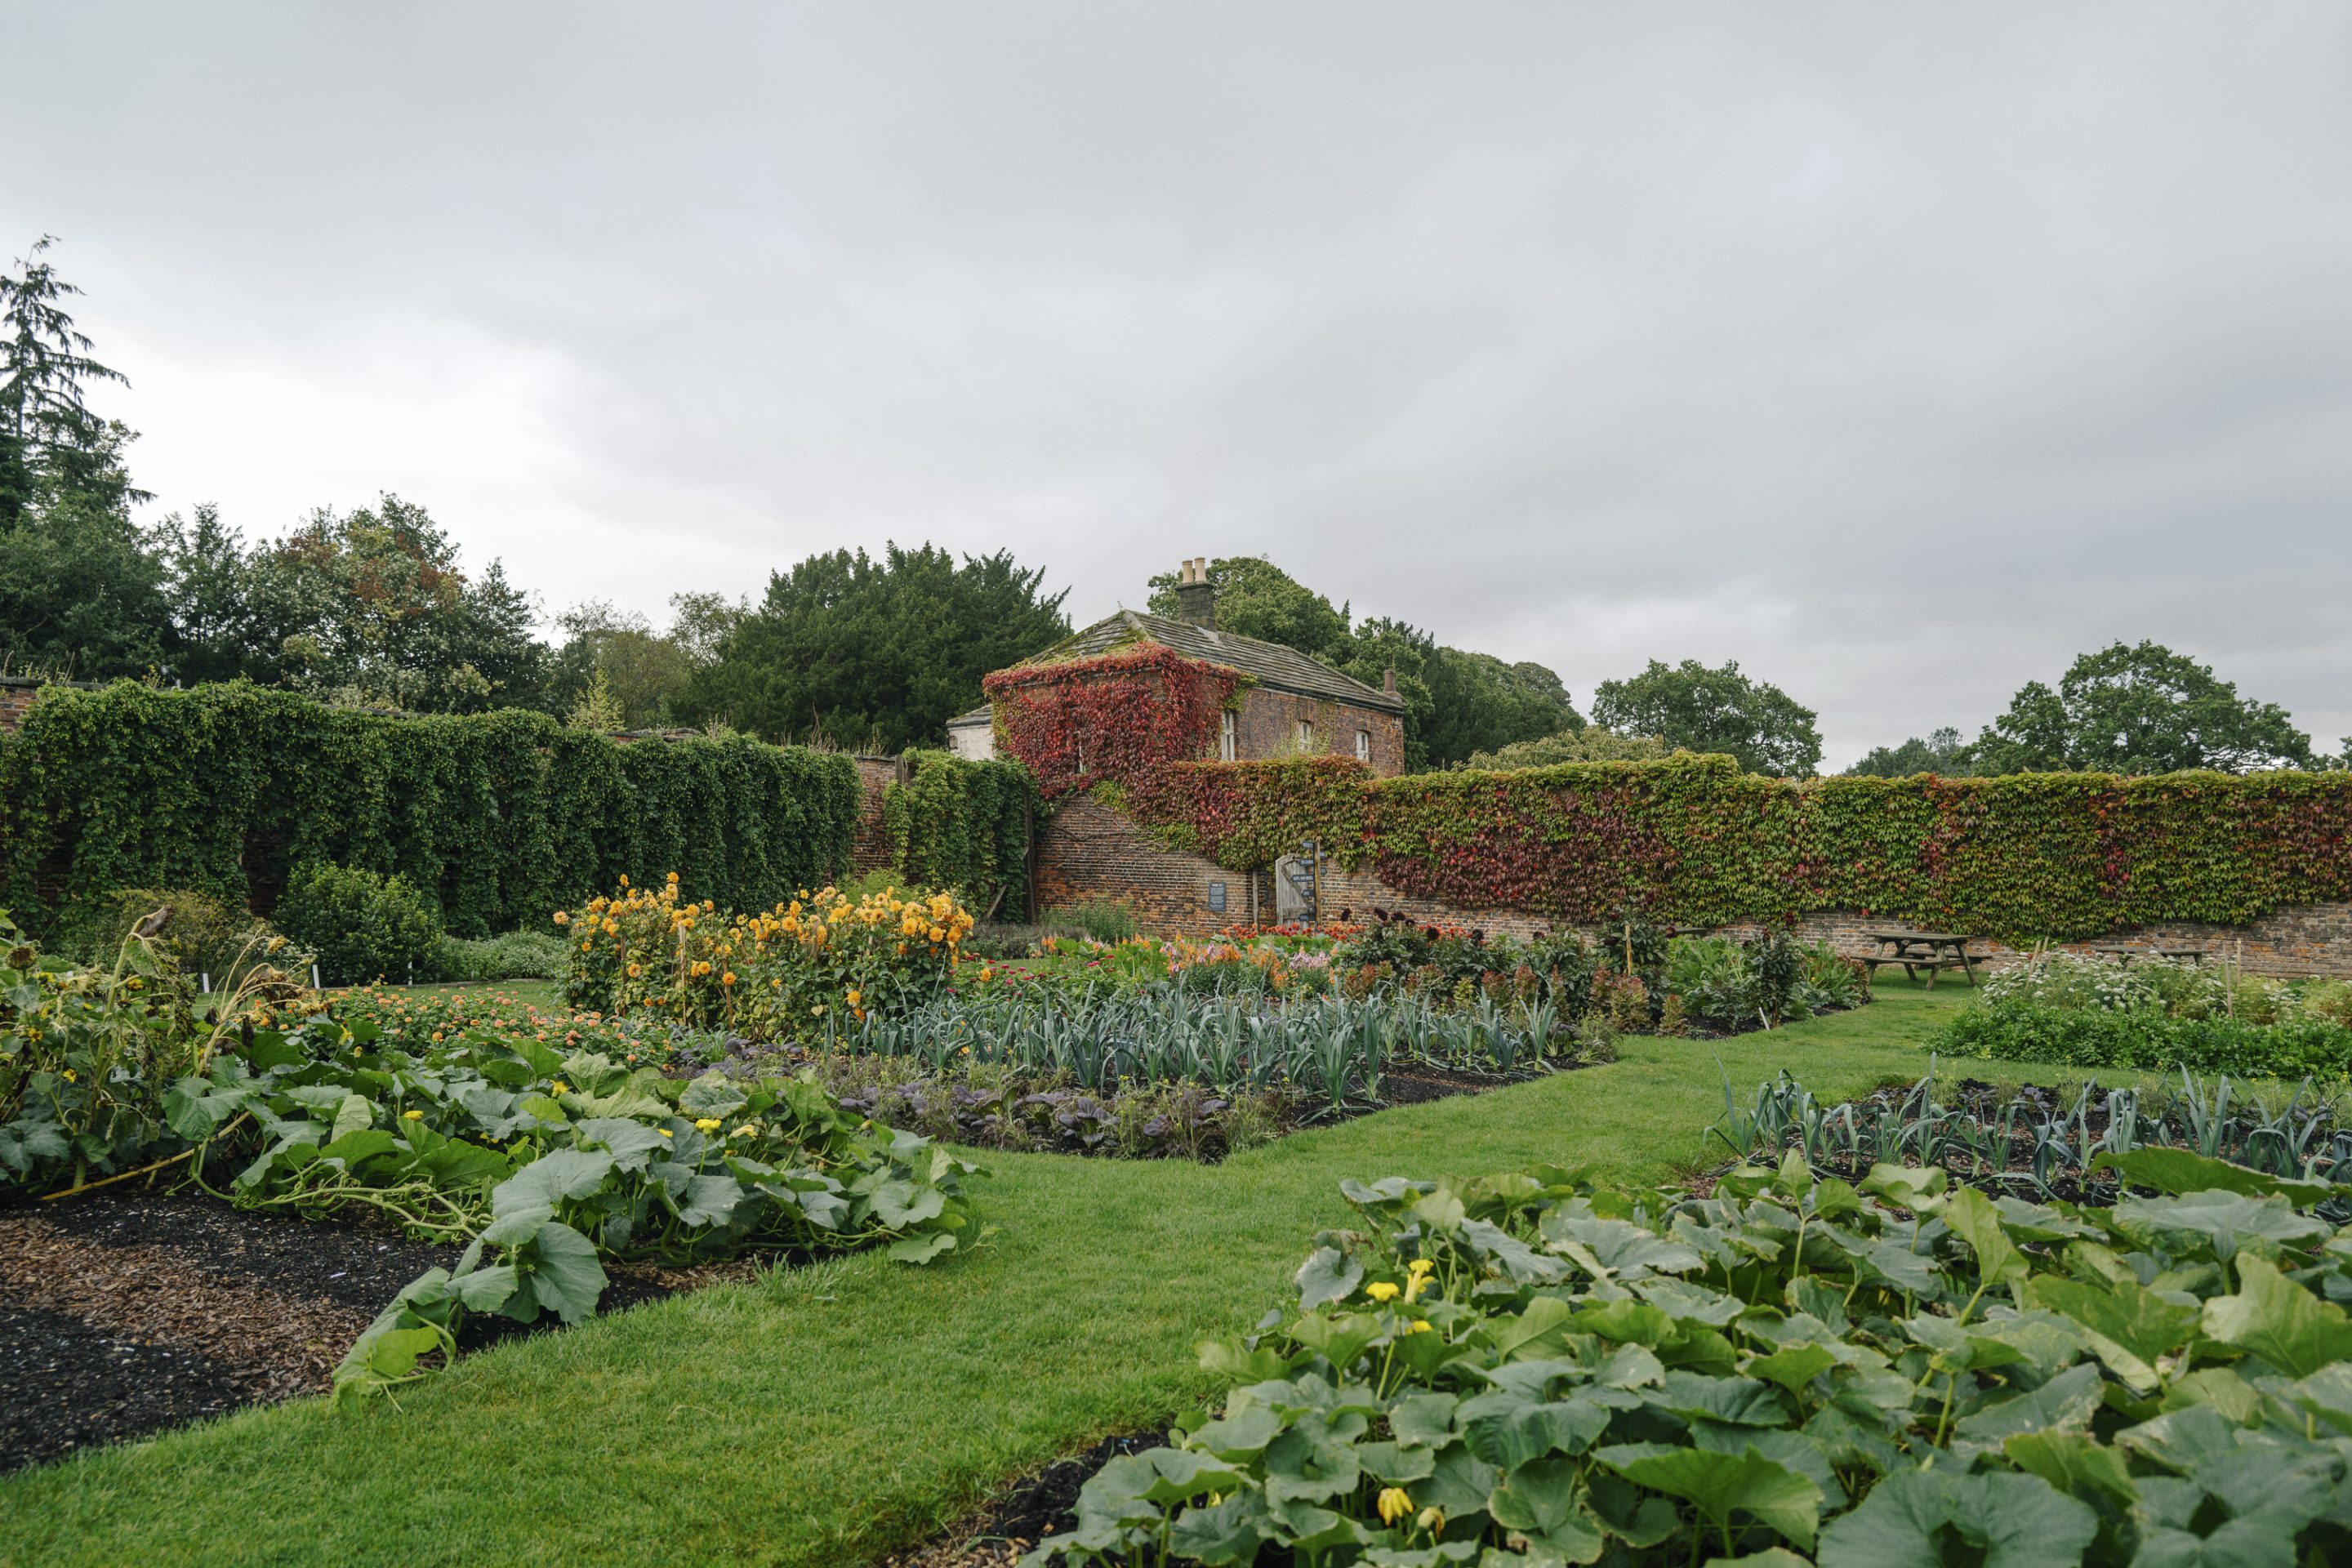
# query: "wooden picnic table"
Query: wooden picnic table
1916,950
2192,954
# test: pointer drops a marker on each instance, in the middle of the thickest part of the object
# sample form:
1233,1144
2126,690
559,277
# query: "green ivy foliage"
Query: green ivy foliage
1693,840
965,824
502,816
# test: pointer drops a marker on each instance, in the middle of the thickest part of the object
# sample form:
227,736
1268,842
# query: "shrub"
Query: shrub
2075,982
1561,964
1104,919
2100,1012
86,1054
1533,1370
517,955
202,936
2331,1000
1735,986
778,974
361,925
2027,1031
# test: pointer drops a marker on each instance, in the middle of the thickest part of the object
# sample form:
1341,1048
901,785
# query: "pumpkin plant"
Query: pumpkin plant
1532,1369
543,1164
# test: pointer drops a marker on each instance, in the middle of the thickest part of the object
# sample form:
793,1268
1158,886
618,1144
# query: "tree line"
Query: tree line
374,606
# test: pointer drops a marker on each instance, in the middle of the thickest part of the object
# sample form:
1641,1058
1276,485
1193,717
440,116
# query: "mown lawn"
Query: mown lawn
834,1413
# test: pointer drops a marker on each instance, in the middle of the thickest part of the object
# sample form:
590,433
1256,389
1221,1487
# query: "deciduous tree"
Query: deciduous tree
1943,752
2138,710
1691,707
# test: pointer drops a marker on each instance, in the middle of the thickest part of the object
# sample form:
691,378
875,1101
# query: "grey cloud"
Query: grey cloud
1900,352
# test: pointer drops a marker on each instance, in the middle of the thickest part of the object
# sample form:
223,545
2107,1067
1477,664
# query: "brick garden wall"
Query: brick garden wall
1087,851
872,848
16,694
1267,726
2314,939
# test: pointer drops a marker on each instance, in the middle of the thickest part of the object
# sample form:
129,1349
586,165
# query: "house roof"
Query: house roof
1270,664
980,718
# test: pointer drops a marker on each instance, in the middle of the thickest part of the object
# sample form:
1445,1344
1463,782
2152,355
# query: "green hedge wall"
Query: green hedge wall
965,824
1696,841
503,816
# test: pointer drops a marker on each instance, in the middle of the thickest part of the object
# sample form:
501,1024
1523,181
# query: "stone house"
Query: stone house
1292,706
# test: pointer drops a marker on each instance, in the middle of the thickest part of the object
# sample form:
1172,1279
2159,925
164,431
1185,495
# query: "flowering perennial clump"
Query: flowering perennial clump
776,974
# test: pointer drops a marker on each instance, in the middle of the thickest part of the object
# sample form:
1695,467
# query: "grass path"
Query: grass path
830,1414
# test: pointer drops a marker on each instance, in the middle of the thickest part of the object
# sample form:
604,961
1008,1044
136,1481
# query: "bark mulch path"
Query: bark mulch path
275,1343
128,1309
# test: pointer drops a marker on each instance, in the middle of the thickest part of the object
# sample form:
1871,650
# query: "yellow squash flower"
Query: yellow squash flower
706,1124
412,1115
1382,1290
1393,1504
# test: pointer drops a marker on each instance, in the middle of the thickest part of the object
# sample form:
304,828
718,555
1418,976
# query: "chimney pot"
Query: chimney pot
1196,597
1388,680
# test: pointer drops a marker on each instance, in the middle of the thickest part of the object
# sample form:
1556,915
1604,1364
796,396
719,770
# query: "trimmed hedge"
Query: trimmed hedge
503,816
2094,1037
1693,840
964,825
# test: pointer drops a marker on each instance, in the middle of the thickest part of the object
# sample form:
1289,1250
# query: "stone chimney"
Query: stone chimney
1388,680
1196,597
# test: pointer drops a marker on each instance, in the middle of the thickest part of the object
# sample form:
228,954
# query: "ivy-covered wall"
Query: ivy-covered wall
1694,841
965,824
1113,718
504,815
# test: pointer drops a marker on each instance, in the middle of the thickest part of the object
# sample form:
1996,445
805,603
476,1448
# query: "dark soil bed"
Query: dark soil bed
127,1309
1066,1120
1026,1512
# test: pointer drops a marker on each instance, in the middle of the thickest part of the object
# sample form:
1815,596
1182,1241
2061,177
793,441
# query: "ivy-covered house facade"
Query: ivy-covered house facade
1134,690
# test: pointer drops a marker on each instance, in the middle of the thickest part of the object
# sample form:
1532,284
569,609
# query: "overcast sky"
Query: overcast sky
1899,352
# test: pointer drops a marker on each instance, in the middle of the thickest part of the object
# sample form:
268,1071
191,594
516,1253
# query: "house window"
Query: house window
1228,736
1363,745
1306,734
